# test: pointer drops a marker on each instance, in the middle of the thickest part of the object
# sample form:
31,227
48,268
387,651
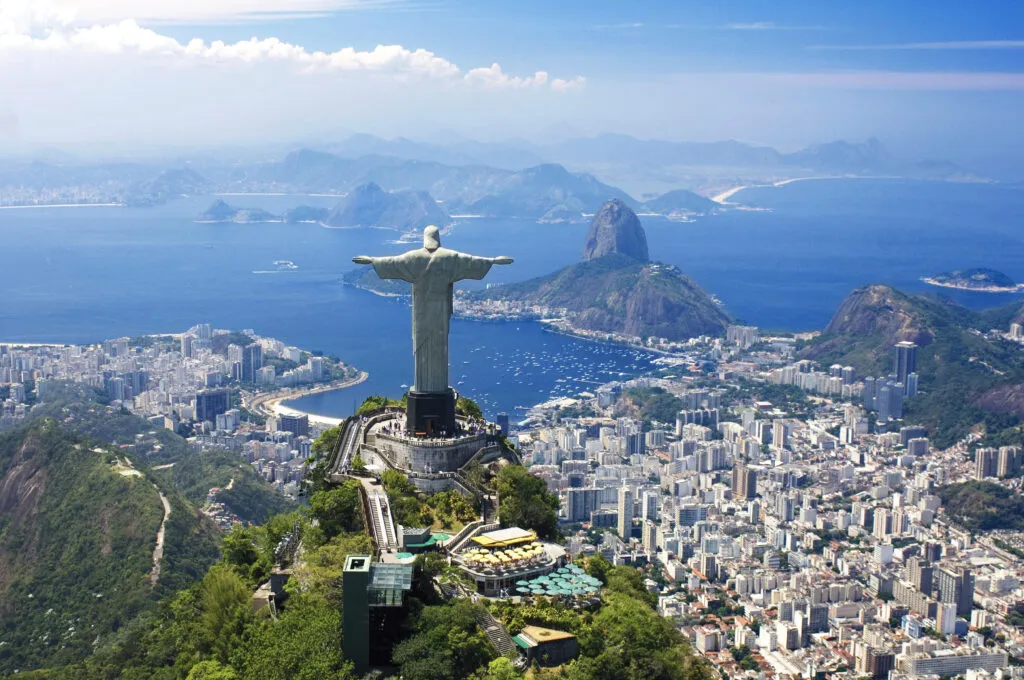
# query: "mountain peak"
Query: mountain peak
616,229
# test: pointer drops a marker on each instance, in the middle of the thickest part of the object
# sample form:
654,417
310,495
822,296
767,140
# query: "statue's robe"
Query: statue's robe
432,275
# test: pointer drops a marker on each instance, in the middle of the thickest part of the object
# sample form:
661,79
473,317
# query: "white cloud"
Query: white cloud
128,37
949,45
562,85
493,77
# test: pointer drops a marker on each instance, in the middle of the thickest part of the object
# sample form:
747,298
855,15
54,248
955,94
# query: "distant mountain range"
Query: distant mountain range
370,206
554,182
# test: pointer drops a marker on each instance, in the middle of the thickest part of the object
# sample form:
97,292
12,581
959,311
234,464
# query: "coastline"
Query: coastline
271,404
62,205
723,197
1018,288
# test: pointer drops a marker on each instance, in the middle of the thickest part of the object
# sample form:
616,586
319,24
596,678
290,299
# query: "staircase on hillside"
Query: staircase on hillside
496,633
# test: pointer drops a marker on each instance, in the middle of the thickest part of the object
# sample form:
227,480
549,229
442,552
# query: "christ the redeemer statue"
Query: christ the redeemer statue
432,271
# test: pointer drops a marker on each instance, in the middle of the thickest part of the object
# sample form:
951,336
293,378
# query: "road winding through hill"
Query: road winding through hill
158,551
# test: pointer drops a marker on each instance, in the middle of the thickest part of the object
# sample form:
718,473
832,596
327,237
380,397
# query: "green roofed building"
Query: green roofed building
546,646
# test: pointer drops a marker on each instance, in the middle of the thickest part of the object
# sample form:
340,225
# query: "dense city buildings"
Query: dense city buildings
807,532
209,386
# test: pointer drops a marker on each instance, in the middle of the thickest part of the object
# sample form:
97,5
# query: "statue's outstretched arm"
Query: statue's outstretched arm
362,259
501,259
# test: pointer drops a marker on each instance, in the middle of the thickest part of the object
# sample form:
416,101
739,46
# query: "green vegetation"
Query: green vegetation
617,293
787,398
624,639
77,531
446,644
983,506
469,408
250,497
411,508
375,402
652,404
83,410
524,501
745,658
966,378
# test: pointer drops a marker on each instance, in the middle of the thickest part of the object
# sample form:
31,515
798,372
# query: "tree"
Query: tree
327,441
499,669
224,603
524,501
337,509
597,566
212,670
304,644
447,644
241,552
468,408
358,466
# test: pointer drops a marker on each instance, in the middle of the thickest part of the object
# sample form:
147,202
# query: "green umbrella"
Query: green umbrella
522,589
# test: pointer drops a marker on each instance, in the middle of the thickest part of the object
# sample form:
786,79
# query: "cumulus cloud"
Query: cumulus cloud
128,37
562,85
493,77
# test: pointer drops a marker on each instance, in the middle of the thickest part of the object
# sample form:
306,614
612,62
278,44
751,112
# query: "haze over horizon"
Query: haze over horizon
110,76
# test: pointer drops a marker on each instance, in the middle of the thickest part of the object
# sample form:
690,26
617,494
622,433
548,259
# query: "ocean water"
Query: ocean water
86,274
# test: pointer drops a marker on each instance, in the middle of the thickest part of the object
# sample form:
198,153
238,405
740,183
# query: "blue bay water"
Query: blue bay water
86,274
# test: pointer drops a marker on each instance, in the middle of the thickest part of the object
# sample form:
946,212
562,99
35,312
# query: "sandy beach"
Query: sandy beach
271,404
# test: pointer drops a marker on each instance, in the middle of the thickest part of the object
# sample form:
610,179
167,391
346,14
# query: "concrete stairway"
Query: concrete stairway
496,633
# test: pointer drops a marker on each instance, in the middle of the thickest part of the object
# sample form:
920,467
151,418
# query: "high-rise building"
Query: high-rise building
186,345
625,519
817,618
911,389
296,424
921,573
316,367
252,362
579,503
1016,331
904,360
909,432
945,620
211,403
650,536
985,463
1009,461
955,585
649,509
744,482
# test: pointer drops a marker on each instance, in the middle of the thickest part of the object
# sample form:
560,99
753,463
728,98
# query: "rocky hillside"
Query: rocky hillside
78,528
967,377
615,289
616,229
370,206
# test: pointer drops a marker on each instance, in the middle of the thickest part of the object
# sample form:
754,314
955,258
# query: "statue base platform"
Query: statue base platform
431,414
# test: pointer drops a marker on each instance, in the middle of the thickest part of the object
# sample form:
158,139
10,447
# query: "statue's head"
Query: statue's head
431,238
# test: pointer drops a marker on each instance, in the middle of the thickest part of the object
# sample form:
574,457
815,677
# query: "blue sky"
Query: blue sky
924,76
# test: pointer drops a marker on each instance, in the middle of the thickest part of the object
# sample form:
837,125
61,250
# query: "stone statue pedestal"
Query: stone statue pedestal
431,414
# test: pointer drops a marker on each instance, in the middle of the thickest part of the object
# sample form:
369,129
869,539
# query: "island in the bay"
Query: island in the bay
978,279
